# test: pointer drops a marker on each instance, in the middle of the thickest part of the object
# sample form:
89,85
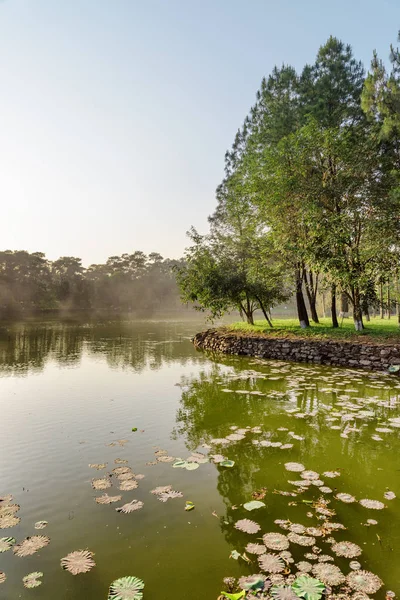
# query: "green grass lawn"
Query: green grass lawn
376,330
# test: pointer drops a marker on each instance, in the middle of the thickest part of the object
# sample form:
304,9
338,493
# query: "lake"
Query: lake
70,395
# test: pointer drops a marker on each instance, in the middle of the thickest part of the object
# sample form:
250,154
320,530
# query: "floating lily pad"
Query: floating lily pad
189,505
41,524
32,580
253,505
126,588
79,561
6,543
130,507
31,545
308,588
227,463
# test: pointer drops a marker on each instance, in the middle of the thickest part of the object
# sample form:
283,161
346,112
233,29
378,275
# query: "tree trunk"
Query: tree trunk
311,290
301,305
357,312
265,313
388,299
333,307
344,305
366,312
381,299
323,304
397,299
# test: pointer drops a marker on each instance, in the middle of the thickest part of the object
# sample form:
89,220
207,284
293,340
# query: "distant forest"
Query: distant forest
131,283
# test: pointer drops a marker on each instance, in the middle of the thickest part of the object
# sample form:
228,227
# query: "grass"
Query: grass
376,331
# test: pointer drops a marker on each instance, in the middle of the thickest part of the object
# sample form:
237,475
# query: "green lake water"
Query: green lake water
68,391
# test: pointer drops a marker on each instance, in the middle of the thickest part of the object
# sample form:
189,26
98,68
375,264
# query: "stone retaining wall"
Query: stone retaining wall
376,357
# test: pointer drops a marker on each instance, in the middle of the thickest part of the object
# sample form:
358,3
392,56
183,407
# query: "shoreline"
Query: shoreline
371,356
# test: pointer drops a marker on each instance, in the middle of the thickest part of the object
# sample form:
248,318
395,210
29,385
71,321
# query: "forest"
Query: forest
310,201
131,283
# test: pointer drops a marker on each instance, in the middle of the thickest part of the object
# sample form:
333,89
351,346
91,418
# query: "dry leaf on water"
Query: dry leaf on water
130,507
106,499
79,561
31,545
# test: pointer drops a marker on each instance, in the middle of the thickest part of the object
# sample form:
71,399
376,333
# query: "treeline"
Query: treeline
131,283
310,200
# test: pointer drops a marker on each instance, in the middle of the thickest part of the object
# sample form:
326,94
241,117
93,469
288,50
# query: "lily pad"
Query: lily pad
227,463
32,580
308,588
253,505
126,588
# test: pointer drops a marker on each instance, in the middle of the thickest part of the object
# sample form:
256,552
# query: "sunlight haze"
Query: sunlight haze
115,116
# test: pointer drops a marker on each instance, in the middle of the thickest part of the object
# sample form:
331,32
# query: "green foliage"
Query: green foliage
126,588
131,282
308,588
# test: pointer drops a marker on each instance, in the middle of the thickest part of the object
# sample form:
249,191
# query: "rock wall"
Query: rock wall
376,357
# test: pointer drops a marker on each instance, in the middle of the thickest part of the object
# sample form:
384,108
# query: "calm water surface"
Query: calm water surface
68,391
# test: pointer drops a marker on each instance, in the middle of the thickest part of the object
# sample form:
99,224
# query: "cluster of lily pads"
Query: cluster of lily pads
281,578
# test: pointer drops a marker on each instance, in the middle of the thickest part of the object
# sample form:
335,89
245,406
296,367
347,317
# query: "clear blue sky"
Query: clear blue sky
116,114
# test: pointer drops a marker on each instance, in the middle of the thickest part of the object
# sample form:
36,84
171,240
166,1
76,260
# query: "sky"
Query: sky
116,114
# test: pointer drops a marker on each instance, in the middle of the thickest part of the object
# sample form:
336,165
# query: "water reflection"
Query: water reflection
136,345
335,419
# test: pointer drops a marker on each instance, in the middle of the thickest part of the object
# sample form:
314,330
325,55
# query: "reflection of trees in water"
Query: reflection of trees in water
134,345
206,412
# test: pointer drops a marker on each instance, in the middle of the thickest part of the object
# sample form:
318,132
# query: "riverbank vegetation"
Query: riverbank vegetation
377,330
309,205
131,283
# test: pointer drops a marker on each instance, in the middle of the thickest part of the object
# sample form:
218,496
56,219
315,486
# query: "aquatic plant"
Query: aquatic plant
297,528
364,581
166,459
309,475
98,466
328,574
126,588
252,582
32,580
130,507
41,524
323,558
235,437
271,563
161,489
294,467
301,540
304,566
128,486
120,461
256,548
331,474
374,504
227,463
346,549
8,509
106,499
31,545
79,561
346,498
308,588
276,541
283,592
354,565
389,495
3,577
6,543
7,521
139,476
247,526
253,505
169,495
121,470
101,484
